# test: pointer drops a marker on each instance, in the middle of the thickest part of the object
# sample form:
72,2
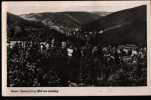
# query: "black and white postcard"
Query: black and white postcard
76,48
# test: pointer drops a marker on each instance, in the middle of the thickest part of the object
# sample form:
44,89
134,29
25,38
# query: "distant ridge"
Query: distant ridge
70,19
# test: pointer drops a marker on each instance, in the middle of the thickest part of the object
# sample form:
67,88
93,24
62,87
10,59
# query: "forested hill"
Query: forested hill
21,29
123,27
136,14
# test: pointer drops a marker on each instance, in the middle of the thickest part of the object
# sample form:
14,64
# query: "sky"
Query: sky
24,7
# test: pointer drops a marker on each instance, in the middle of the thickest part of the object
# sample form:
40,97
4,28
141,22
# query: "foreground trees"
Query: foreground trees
30,65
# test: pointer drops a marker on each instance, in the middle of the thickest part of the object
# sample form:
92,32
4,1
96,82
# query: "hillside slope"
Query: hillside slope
21,29
117,18
122,27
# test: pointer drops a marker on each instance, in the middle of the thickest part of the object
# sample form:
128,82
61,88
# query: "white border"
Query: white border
76,91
